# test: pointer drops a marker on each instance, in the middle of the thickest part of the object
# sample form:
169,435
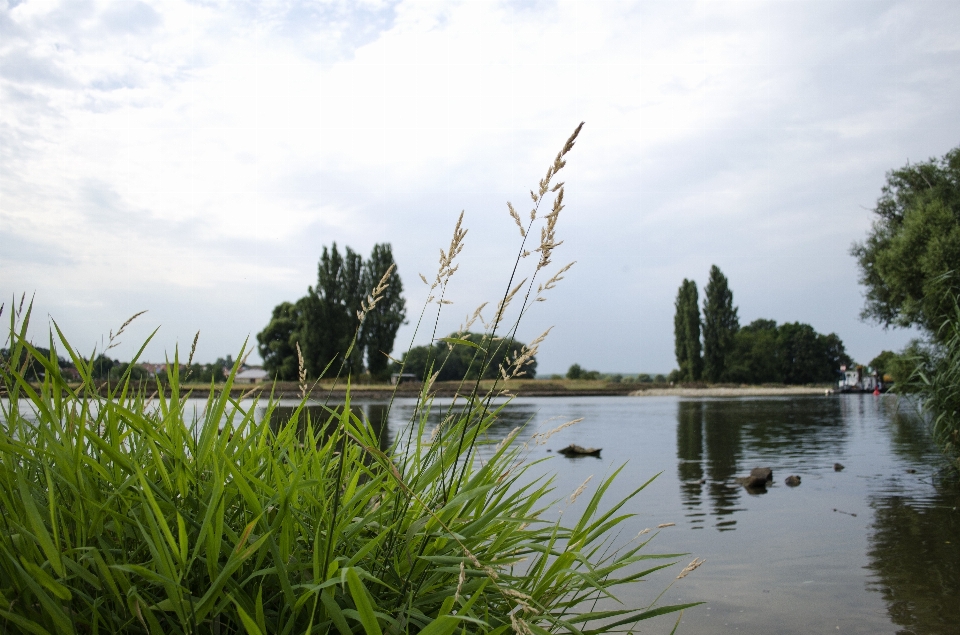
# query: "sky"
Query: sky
193,158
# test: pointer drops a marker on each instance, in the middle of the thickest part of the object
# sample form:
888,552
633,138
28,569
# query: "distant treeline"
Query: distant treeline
577,372
103,368
759,353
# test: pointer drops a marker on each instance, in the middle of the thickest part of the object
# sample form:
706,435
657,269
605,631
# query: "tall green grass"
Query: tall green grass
935,380
131,513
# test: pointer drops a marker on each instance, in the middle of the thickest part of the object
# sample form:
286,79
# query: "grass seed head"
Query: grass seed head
691,567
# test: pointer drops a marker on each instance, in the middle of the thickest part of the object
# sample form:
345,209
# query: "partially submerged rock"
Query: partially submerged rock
753,482
792,480
758,479
837,467
577,450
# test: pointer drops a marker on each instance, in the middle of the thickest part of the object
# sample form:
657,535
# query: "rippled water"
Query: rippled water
874,548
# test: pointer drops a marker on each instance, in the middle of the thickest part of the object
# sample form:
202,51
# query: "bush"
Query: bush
122,515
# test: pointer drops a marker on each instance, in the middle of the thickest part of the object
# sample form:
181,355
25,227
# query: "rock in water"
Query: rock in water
837,467
762,472
792,480
576,450
753,482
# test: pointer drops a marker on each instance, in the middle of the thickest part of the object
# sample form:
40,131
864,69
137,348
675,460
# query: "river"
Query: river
873,548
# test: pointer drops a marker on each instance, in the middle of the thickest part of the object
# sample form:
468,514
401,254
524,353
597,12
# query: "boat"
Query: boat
858,379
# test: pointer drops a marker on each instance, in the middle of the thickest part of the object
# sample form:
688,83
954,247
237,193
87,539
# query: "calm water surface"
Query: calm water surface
874,548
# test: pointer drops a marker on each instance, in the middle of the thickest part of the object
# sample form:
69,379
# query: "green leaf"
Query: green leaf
358,591
40,532
248,622
47,581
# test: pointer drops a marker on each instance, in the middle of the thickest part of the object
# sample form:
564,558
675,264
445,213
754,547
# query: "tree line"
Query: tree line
324,326
715,348
103,367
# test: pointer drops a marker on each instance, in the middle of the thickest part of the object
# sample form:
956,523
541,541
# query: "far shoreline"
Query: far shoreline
733,391
513,388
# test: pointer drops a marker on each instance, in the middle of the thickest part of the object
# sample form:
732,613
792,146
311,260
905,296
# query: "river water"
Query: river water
874,548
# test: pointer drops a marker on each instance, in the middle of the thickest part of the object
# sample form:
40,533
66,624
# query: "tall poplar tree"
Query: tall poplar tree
686,332
325,323
380,326
720,324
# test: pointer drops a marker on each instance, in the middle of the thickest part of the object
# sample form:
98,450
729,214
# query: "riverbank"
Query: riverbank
519,388
731,391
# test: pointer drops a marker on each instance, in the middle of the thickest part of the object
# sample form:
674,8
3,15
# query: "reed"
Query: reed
126,512
935,380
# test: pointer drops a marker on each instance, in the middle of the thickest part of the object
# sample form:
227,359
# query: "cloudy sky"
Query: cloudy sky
193,158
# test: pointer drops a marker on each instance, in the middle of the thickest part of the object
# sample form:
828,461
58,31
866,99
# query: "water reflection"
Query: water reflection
914,555
714,436
320,417
690,459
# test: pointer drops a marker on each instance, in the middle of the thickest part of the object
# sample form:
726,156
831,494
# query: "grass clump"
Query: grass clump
133,513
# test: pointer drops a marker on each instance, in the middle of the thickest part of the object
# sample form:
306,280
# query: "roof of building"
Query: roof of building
252,373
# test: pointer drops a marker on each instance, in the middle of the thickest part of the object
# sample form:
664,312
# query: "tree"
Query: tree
330,320
277,342
754,357
883,363
102,365
686,332
574,372
453,362
325,322
720,324
379,330
909,260
764,353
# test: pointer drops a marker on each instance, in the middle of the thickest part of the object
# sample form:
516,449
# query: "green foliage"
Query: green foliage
382,321
905,366
102,365
686,332
134,371
461,355
908,262
278,341
883,363
580,373
935,378
197,373
325,322
720,325
792,353
28,365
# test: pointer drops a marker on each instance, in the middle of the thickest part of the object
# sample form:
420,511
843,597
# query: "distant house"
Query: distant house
251,376
405,378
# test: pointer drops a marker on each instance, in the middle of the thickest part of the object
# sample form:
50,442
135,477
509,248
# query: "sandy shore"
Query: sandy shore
746,391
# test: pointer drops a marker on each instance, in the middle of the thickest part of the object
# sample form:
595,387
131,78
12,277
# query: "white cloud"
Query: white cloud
154,149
